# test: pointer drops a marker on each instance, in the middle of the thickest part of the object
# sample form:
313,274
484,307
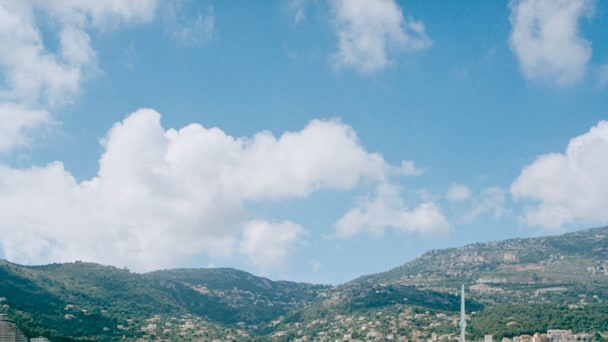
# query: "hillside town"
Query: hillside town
342,328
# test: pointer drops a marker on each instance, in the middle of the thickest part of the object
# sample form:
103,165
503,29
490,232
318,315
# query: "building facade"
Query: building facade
9,332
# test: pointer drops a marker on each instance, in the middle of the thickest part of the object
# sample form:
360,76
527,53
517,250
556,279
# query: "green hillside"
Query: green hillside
514,287
90,301
517,286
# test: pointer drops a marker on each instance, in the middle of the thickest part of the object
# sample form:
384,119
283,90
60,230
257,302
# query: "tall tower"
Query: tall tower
463,323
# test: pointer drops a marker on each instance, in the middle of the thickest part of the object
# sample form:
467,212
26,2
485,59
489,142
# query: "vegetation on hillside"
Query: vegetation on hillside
514,287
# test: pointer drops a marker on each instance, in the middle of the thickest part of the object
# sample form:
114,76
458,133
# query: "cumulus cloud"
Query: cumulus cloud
386,209
162,196
562,188
33,74
370,30
545,38
17,123
33,78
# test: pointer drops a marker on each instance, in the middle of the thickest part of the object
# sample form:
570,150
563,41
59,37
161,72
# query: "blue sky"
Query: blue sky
307,140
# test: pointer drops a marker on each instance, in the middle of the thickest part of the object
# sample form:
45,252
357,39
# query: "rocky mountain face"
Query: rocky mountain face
513,286
530,268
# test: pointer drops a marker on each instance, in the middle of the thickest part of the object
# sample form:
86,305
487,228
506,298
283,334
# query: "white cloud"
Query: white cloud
163,196
472,205
490,200
37,76
370,30
268,244
34,79
387,210
408,168
76,48
568,187
18,123
325,154
545,38
31,74
458,192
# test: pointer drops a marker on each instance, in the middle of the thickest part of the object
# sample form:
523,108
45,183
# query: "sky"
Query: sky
303,140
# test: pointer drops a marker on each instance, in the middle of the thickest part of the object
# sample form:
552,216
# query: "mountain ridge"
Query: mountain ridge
84,301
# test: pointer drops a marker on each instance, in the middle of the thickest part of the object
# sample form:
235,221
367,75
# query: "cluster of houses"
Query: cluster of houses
554,335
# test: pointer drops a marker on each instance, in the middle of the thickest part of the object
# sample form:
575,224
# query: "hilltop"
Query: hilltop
87,300
514,286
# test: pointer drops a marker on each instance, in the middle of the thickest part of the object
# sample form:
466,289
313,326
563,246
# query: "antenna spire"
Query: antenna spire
463,323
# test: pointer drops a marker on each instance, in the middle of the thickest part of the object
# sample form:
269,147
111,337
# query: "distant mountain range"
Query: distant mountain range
514,286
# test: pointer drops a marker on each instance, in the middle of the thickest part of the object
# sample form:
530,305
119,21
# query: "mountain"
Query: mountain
90,301
514,287
229,296
528,268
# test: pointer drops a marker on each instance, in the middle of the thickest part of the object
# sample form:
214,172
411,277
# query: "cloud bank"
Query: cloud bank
162,196
563,187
